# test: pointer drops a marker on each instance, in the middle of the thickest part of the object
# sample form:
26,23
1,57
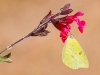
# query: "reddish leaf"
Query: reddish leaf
65,7
61,19
66,12
54,21
41,33
46,18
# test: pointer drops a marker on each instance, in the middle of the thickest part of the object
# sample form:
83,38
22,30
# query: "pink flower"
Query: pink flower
64,30
80,24
64,34
63,24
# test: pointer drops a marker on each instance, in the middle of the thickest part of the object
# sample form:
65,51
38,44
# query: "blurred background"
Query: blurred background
42,55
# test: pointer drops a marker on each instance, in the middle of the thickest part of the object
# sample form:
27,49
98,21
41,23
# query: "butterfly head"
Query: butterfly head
70,35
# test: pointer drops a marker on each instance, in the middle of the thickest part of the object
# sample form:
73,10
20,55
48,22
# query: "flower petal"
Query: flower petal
78,14
61,34
64,34
80,29
83,23
64,39
59,26
79,23
69,19
68,27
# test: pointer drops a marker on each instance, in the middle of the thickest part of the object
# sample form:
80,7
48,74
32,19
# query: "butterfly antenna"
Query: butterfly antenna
72,30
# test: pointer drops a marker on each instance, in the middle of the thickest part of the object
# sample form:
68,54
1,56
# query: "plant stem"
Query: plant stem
10,46
28,35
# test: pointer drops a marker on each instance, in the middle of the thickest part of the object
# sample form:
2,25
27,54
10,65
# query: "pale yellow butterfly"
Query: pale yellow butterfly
73,55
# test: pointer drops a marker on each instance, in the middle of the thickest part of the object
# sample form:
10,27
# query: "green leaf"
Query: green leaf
6,58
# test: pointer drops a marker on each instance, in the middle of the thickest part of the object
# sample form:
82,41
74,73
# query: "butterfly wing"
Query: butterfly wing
73,55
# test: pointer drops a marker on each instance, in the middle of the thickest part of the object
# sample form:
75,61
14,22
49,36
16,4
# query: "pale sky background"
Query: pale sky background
42,55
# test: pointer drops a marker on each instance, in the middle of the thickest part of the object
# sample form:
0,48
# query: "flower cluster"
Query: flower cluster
63,24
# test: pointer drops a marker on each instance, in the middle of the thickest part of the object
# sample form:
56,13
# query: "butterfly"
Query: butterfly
73,55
